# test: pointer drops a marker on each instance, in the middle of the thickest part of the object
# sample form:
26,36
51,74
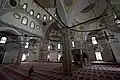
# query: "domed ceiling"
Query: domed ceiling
46,3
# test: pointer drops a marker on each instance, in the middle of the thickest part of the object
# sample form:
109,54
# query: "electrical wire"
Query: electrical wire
87,21
96,18
93,18
61,23
75,29
48,13
60,18
70,28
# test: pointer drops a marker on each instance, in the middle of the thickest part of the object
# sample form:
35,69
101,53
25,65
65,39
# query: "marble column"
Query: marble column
67,59
19,56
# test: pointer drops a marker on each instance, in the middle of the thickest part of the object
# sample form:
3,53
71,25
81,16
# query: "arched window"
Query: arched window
3,40
49,47
98,56
59,46
28,54
59,56
32,24
24,20
27,45
48,56
50,17
55,15
24,57
94,41
31,12
17,16
38,15
44,17
25,6
116,19
73,44
38,27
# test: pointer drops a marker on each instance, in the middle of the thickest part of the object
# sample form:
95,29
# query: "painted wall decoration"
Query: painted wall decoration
69,4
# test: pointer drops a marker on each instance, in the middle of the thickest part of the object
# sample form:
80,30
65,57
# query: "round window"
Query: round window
32,24
38,27
13,3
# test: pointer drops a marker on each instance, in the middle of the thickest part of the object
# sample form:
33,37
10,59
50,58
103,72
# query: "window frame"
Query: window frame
37,27
50,17
100,54
39,15
14,14
45,16
31,23
94,40
12,5
32,11
4,40
59,46
49,47
55,14
27,45
26,6
22,20
73,44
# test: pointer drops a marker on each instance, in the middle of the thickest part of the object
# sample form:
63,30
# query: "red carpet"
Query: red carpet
53,71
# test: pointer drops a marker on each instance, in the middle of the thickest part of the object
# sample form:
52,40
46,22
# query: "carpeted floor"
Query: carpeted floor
54,71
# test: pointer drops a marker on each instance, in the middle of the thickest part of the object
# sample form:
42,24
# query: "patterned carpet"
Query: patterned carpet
98,72
53,71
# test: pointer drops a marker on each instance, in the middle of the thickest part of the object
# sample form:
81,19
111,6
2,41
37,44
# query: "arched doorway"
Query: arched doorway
98,47
53,46
2,52
31,51
10,45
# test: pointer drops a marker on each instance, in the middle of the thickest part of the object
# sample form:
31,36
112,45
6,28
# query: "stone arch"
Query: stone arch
12,21
12,48
52,26
12,30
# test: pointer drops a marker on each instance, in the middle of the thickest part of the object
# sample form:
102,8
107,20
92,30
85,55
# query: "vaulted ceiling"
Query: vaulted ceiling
46,3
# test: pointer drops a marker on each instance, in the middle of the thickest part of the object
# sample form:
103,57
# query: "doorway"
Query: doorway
2,53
